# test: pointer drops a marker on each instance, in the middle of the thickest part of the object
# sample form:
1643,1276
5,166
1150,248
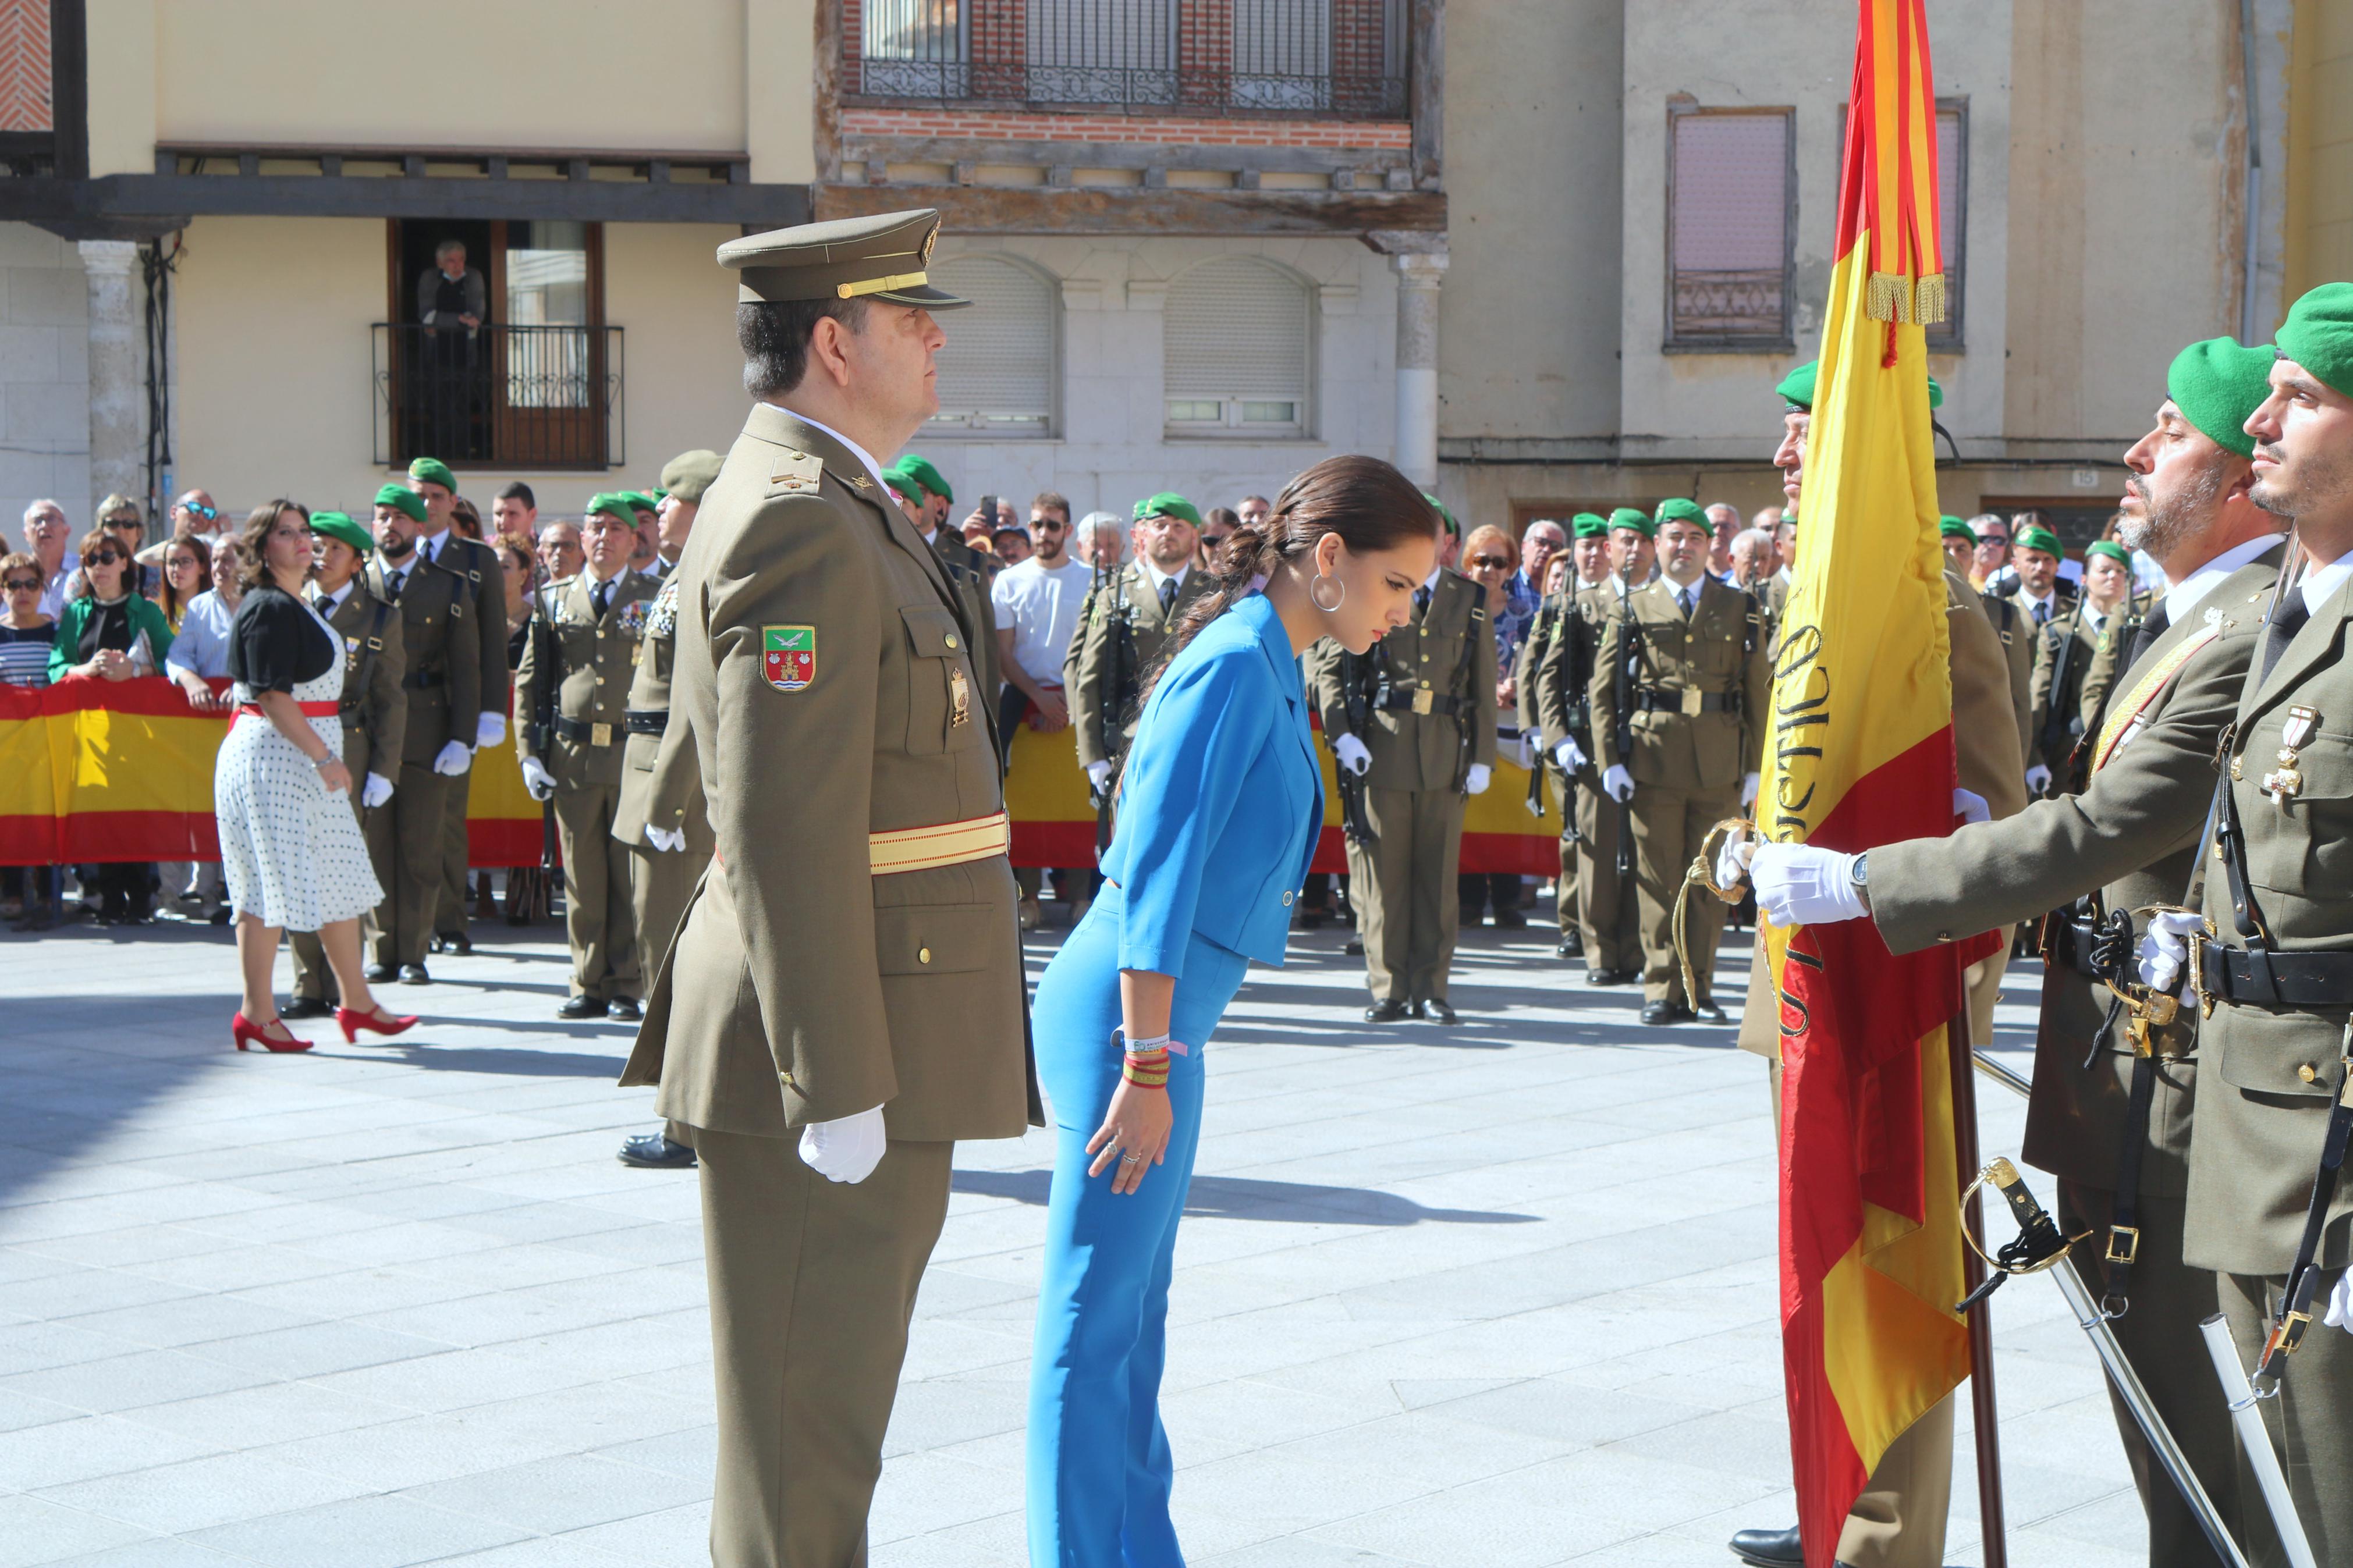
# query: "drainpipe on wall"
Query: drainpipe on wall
2250,285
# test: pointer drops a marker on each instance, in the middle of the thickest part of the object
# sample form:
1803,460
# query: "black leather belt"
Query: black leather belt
646,721
583,734
423,679
1418,699
1686,702
2270,979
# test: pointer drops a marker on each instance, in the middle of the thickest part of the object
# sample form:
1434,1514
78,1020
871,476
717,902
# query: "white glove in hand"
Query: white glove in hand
2038,779
1569,756
2165,951
453,759
1475,781
2340,1303
1098,775
1618,783
535,778
846,1150
1799,885
375,792
1970,807
1748,787
1352,754
667,841
1732,861
490,729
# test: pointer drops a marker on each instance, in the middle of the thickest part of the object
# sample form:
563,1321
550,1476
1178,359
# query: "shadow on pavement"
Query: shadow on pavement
1241,1198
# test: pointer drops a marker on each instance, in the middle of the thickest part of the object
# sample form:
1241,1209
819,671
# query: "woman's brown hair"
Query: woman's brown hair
168,596
1370,505
254,571
89,544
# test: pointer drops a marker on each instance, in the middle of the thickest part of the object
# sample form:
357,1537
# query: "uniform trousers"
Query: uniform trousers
812,1286
2159,1336
599,918
406,841
2311,1422
454,908
1564,901
1403,890
1099,1464
1607,913
1669,825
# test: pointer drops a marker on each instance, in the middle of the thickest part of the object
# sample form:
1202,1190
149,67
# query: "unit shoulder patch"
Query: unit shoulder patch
788,656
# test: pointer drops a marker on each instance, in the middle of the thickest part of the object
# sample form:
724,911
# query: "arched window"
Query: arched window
1235,345
996,372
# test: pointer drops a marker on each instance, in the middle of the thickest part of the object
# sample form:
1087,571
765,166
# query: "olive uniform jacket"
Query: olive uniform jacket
2017,634
1563,679
2062,655
1448,651
595,658
1718,653
441,664
2133,834
824,671
375,707
661,783
486,577
1090,660
968,573
2100,671
2272,1073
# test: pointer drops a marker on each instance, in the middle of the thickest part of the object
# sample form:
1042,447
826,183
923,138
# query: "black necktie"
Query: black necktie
1421,600
2287,621
2151,628
1167,595
396,581
1687,598
601,596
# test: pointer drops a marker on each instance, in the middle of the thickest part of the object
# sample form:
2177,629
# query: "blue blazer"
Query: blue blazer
1221,800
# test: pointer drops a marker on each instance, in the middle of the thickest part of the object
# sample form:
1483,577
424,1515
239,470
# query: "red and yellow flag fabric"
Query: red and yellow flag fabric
1862,753
103,771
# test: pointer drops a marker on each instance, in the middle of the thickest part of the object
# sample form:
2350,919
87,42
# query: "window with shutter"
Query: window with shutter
1235,340
996,372
1952,211
1731,200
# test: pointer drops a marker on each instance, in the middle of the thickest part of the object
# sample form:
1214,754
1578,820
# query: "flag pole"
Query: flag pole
1986,1418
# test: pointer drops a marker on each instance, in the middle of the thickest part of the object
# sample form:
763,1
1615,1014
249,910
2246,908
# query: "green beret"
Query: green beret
1676,508
1444,516
2041,539
1168,503
433,471
1949,527
1635,518
339,525
407,499
615,503
1797,389
920,472
639,502
2110,547
1589,525
2318,335
2216,385
688,474
658,495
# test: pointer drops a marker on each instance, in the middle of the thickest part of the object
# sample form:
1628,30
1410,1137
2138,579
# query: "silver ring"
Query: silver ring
1131,1159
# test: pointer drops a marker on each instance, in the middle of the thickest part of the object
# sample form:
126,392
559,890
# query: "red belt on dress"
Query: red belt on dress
309,710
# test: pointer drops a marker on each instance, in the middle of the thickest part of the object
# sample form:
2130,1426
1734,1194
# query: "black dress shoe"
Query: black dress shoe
654,1151
1609,977
459,943
623,1007
1386,1013
414,974
383,974
1435,1010
1655,1014
1356,948
1469,917
1769,1548
1572,944
1510,919
305,1007
1706,1013
581,1007
221,916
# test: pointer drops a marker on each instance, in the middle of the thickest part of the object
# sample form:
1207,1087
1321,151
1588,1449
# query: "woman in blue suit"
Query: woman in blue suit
1220,804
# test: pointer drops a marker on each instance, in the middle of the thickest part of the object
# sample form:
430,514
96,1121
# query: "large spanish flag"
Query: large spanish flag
1863,755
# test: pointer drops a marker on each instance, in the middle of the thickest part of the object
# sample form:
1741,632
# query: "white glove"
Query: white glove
846,1150
1568,756
1352,754
668,841
2165,950
453,759
2038,779
375,792
1749,784
536,779
1618,783
1799,885
490,729
1476,781
1098,775
2340,1303
1732,861
1970,807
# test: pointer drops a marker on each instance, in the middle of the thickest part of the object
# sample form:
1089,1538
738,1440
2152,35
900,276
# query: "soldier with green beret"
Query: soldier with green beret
2043,599
844,996
1605,918
1960,542
2064,653
1633,555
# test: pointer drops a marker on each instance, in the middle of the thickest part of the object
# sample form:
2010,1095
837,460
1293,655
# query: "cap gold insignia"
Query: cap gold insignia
931,239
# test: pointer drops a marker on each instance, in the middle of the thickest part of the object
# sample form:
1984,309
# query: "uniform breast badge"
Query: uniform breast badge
2283,782
959,699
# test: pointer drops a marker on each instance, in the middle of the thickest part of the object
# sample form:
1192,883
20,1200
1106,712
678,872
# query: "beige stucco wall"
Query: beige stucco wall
2320,146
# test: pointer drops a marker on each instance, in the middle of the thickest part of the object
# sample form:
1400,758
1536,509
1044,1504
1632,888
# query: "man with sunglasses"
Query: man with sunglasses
1038,606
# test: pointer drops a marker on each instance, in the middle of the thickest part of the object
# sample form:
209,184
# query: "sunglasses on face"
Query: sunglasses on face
24,585
196,509
105,558
1480,563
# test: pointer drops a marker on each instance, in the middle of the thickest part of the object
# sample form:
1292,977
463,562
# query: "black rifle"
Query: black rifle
1117,693
1622,679
2062,728
547,664
1358,674
1466,700
1576,705
1546,614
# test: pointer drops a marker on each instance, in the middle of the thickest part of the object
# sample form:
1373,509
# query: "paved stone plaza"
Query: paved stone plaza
1496,1296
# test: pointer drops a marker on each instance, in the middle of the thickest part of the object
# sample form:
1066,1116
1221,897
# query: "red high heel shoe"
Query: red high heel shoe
377,1023
249,1034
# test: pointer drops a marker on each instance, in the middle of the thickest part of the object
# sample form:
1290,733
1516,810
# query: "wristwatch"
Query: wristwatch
1859,876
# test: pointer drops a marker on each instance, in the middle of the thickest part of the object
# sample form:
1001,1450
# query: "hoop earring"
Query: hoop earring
1317,600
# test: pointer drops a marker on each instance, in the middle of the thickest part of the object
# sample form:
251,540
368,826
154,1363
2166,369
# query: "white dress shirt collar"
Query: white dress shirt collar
861,453
2182,598
1155,576
2320,583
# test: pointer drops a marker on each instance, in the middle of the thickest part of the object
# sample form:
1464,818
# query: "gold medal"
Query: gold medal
959,699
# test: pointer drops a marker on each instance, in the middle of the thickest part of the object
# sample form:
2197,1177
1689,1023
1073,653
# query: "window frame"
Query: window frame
1230,424
1785,341
1052,428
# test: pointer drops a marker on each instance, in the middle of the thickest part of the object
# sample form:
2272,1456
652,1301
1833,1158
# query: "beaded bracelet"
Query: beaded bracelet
1144,1062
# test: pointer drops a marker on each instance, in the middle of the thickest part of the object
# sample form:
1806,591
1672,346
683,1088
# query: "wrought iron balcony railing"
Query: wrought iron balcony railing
514,396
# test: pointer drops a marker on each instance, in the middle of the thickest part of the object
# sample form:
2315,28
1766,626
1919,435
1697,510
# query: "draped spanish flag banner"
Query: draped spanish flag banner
1863,755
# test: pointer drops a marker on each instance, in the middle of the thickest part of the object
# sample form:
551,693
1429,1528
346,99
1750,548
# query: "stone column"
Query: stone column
1419,274
117,389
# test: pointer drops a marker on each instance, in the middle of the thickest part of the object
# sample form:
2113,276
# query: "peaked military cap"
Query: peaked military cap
879,258
688,474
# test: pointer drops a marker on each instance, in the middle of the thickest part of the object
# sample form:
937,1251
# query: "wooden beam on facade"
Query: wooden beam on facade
1095,209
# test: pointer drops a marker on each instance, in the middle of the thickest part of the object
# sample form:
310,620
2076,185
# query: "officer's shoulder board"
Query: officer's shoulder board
793,473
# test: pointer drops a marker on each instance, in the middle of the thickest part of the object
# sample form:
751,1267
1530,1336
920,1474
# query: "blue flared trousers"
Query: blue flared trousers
1099,1466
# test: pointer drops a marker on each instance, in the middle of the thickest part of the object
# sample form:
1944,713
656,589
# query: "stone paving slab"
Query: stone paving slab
1499,1295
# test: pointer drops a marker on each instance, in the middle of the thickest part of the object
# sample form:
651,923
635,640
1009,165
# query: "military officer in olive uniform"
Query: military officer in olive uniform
595,623
2065,651
1545,629
1425,744
661,819
969,569
1123,623
441,675
374,709
844,998
1606,917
